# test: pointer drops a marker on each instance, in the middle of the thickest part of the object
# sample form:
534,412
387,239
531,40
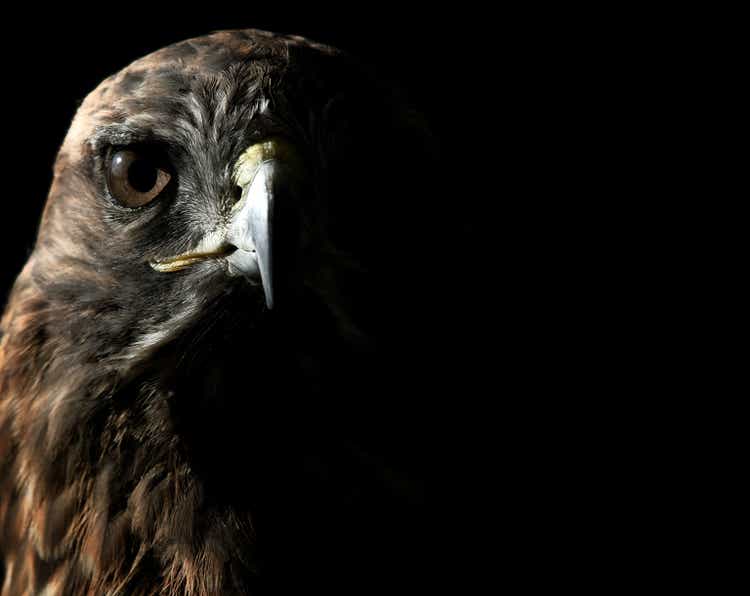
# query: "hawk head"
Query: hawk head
222,250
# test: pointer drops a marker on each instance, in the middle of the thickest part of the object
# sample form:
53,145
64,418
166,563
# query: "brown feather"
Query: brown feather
102,489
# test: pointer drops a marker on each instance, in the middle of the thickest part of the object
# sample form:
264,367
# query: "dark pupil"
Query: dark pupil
142,175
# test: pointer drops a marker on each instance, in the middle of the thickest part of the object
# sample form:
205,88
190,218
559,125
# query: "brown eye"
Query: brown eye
135,179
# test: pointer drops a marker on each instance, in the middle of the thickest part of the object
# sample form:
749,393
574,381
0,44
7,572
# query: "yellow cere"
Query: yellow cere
248,162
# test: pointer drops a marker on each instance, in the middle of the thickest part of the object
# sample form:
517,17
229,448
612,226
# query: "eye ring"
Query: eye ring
135,178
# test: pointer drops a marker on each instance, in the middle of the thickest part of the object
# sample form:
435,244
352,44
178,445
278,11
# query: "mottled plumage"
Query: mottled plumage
155,429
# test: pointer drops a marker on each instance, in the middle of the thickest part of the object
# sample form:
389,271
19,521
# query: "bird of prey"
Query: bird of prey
221,270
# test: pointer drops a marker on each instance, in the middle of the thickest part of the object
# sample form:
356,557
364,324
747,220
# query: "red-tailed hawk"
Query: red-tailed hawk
216,273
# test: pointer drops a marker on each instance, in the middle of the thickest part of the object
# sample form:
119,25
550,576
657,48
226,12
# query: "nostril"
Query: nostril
236,194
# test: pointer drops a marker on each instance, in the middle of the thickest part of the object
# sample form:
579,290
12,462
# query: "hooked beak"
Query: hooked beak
251,230
263,221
